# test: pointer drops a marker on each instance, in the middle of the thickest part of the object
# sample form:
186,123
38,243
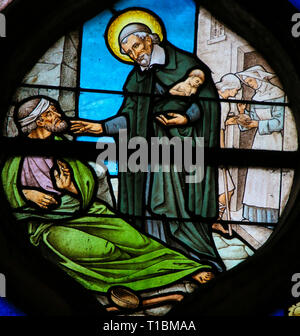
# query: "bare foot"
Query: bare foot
203,277
219,227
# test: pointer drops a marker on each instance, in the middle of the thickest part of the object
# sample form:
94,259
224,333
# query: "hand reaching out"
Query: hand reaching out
39,198
79,126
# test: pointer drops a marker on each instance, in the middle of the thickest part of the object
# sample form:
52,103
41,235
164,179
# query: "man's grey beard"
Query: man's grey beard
57,128
144,60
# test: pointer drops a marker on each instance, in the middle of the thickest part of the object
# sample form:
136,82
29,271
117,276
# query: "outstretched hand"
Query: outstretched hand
177,119
79,126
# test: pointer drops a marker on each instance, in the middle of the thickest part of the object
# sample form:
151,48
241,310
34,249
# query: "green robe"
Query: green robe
97,251
170,196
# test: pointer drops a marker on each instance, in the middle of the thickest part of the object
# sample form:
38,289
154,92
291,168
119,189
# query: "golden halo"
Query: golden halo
131,16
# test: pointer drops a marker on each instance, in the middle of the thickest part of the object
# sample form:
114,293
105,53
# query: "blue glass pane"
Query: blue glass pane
99,69
98,106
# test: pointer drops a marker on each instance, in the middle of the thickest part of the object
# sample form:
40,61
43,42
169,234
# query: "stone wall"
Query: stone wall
57,67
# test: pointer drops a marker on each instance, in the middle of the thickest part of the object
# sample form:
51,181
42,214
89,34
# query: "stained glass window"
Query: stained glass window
141,240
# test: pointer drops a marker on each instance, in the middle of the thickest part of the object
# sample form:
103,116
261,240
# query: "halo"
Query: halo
130,16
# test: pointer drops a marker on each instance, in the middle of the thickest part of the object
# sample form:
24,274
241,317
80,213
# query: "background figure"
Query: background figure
261,200
228,87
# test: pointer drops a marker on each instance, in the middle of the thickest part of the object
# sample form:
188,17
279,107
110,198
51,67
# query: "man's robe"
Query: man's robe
170,196
95,249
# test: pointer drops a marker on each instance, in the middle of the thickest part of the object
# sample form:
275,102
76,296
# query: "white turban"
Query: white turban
40,108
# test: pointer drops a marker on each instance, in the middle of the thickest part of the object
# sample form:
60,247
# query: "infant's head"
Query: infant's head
196,77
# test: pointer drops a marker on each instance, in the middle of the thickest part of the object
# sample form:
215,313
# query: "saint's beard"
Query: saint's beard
144,60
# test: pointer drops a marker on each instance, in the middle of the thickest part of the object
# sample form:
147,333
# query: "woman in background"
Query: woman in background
261,200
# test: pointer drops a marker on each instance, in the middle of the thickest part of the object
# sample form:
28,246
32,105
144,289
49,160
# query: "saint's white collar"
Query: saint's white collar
158,56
